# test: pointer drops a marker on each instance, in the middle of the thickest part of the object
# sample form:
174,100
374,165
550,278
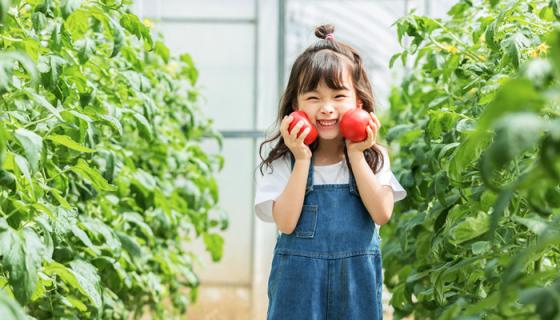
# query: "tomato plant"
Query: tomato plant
477,125
103,183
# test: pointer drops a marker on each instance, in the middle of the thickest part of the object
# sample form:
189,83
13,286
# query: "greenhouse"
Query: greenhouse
280,159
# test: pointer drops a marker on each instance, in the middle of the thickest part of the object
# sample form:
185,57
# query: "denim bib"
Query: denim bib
330,266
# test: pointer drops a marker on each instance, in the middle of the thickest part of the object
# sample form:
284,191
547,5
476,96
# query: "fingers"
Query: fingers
370,136
291,136
295,130
375,120
285,124
303,135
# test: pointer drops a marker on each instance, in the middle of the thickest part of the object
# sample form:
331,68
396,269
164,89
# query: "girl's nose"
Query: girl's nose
327,109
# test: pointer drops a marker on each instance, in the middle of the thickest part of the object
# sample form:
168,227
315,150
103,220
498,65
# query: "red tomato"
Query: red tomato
354,123
300,115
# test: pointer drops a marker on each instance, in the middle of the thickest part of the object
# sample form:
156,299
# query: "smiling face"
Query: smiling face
326,104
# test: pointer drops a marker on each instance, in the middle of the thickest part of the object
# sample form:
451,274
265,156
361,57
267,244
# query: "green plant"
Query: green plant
477,125
103,183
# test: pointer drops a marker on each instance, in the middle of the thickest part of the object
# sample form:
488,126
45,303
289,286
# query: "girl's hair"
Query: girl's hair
326,59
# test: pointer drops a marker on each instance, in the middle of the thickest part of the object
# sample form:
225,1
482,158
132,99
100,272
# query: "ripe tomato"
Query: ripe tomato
354,123
300,115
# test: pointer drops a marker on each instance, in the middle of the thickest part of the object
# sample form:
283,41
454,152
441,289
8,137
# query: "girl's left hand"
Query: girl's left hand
372,129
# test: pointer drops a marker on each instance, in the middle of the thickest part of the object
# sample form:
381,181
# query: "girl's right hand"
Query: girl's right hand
299,149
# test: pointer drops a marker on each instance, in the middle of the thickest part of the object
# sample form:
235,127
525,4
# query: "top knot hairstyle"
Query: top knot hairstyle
325,32
326,59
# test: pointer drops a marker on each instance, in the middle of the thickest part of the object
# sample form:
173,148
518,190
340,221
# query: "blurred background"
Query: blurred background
244,50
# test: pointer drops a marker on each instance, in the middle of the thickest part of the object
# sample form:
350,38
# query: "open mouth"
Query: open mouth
327,123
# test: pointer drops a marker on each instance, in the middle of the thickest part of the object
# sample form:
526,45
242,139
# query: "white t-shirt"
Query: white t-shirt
270,186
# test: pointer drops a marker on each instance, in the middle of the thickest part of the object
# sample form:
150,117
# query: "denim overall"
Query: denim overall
330,266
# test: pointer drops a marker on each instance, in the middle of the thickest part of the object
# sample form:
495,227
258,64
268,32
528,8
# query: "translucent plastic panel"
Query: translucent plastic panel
224,56
225,9
236,195
366,25
439,8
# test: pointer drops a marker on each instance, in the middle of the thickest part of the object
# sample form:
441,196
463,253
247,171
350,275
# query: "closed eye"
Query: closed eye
340,96
312,98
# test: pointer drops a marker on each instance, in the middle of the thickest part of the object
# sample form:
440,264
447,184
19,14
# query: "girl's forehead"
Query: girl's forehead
326,83
326,68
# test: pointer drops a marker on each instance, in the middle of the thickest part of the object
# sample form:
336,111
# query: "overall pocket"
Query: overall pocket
307,222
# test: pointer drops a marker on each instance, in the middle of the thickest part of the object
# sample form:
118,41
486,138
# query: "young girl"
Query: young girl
326,198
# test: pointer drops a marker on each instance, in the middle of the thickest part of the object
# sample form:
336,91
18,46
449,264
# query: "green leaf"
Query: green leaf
189,70
515,134
86,49
3,139
136,219
535,224
555,5
77,23
512,47
215,245
490,36
72,301
466,153
131,23
469,228
82,277
43,222
144,127
32,146
162,50
24,168
82,235
89,281
22,253
130,245
7,180
44,103
69,143
56,194
69,6
51,69
10,309
92,176
118,37
480,247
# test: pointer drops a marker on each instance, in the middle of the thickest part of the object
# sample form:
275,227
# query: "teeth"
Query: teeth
327,122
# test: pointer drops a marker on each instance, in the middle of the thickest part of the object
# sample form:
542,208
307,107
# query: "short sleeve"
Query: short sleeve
269,186
387,178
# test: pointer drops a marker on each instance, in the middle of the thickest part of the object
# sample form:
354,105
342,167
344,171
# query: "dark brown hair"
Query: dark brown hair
326,59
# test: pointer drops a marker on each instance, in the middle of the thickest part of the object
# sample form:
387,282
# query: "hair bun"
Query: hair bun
322,31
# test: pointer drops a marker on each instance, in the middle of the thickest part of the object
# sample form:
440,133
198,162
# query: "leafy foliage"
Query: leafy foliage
477,124
103,182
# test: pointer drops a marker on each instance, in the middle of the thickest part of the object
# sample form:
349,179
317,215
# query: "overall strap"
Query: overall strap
351,180
352,183
309,186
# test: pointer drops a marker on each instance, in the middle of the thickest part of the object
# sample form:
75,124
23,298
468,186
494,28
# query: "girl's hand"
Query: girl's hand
372,129
292,141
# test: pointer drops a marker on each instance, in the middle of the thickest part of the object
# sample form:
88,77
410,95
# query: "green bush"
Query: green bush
103,183
477,127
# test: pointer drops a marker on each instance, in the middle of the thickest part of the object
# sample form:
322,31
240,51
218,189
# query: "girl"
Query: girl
326,198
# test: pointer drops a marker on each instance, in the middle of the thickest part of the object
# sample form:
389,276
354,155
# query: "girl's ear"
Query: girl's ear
359,103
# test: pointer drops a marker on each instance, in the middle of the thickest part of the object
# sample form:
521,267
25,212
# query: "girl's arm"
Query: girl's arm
287,208
377,198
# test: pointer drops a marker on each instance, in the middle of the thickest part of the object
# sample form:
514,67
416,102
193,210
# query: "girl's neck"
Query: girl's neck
329,152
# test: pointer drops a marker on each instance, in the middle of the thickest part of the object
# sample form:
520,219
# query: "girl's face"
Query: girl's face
325,106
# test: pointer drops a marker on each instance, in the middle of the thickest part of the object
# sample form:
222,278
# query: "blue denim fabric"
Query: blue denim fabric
330,266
